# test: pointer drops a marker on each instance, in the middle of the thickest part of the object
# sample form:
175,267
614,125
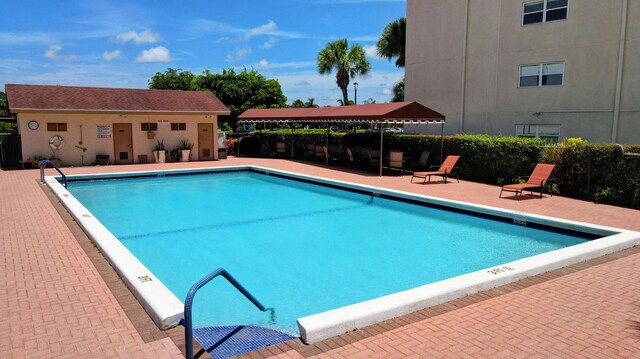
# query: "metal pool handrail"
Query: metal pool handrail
188,302
43,164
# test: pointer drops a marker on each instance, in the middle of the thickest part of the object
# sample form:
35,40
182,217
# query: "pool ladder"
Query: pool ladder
44,164
188,303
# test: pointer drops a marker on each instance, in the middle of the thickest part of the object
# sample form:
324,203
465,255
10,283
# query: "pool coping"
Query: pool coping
166,309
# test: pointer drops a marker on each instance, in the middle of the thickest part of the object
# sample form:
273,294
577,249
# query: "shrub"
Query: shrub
583,170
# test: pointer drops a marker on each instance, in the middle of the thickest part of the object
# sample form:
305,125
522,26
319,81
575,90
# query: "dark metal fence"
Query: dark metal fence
10,151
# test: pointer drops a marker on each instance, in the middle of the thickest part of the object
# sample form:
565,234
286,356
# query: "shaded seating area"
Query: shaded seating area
445,170
538,179
375,115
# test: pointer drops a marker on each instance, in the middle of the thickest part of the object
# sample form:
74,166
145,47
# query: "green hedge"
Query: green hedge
593,171
586,171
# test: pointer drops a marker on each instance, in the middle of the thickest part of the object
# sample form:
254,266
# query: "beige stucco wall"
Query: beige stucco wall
497,44
83,127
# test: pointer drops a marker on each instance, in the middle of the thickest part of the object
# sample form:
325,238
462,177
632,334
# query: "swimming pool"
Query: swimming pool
315,253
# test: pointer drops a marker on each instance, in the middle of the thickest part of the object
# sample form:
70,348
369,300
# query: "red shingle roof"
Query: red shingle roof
44,97
398,111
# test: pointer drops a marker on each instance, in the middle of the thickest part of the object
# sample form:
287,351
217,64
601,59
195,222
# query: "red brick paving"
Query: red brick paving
56,304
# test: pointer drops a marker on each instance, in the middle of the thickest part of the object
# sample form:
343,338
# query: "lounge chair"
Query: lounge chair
538,179
446,169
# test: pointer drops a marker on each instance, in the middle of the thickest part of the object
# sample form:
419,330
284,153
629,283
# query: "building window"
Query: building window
149,126
534,12
542,74
549,133
178,126
56,126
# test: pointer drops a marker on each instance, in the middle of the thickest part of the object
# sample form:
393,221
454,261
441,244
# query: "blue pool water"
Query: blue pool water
298,247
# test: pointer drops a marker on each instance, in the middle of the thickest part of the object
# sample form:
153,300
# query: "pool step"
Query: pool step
229,341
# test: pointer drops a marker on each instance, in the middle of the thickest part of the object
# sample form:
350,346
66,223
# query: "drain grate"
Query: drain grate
229,341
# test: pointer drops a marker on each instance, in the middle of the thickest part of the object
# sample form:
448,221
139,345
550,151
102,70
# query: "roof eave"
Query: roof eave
16,110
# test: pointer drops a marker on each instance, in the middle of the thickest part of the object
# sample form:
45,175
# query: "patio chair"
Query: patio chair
422,161
351,160
320,153
445,170
396,161
372,159
281,150
310,152
538,179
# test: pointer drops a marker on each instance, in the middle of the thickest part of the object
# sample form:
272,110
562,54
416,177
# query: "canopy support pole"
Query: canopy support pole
381,148
292,147
326,155
441,142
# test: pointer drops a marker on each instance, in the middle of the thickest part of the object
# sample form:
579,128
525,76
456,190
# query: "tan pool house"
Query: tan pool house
79,124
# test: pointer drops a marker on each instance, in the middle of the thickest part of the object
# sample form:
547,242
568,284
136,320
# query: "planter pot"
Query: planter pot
160,156
184,155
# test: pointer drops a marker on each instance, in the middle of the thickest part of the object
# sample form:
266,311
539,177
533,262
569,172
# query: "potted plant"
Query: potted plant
174,155
185,150
159,152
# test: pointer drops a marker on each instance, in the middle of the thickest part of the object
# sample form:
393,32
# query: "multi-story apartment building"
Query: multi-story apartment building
552,68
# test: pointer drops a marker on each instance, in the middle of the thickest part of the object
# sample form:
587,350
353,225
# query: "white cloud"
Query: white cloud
387,91
269,43
13,38
111,55
201,27
302,83
285,65
145,37
154,54
238,54
371,51
53,53
269,28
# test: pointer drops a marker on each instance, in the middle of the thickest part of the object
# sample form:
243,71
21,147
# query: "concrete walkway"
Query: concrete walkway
57,304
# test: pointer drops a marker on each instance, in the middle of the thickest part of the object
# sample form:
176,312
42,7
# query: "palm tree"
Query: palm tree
348,63
311,103
398,91
392,41
297,104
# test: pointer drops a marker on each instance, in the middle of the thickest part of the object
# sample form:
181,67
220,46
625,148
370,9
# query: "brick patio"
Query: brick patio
58,302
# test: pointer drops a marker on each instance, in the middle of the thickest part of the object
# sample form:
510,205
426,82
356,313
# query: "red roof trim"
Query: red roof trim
387,111
75,98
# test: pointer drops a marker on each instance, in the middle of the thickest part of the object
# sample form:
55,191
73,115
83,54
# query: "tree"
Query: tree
172,79
297,104
347,62
392,41
341,102
238,91
242,91
398,91
369,101
10,125
311,103
4,105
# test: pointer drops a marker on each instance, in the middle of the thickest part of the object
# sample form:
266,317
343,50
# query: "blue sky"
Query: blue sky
123,43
